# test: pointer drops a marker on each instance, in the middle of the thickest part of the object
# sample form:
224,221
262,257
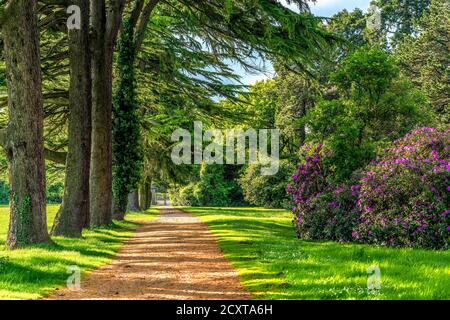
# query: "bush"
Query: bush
402,199
216,186
405,195
266,191
4,192
321,210
55,192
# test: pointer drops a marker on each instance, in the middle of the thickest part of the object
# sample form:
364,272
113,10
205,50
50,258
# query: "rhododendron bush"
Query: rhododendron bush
405,195
321,211
401,199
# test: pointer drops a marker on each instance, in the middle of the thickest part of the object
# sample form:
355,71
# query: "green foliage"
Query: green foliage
216,186
4,193
350,25
127,150
424,57
375,106
266,191
55,192
399,16
366,74
296,94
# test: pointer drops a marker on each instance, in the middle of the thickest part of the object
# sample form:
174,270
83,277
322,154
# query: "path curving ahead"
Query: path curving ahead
172,257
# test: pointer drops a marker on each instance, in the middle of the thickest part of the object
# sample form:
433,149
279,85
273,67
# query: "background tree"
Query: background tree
399,17
127,151
375,105
425,57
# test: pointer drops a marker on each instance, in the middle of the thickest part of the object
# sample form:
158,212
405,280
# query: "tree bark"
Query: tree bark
145,195
73,214
24,143
104,33
133,201
117,212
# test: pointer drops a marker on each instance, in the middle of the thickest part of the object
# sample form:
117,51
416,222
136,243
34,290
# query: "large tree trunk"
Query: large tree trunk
73,214
133,201
104,33
24,140
101,161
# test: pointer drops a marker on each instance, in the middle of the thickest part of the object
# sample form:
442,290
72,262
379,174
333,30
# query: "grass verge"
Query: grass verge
273,264
33,272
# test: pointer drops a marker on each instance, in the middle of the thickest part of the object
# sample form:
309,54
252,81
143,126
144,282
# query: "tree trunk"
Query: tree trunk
73,214
145,195
104,33
24,140
101,159
118,213
149,195
142,198
133,201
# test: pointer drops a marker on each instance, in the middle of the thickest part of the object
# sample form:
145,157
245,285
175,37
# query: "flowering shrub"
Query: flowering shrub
405,195
321,211
402,199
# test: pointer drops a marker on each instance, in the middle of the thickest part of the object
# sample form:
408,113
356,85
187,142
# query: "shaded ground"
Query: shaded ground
173,257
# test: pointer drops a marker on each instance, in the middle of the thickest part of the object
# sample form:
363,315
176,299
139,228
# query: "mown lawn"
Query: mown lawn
274,264
34,272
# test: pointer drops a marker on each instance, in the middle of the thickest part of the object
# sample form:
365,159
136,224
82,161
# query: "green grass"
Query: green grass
273,264
33,272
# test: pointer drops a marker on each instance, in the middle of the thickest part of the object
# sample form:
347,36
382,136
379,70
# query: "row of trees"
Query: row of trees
169,66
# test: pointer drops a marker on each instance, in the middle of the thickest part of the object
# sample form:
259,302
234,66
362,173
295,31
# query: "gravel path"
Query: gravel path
172,257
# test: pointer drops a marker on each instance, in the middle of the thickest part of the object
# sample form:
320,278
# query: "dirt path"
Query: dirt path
173,257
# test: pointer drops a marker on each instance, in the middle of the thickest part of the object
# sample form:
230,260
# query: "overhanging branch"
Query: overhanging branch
51,155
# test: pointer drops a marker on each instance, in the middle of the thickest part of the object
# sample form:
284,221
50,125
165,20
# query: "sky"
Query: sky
322,8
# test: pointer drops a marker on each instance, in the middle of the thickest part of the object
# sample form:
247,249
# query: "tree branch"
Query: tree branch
55,156
114,20
143,21
134,18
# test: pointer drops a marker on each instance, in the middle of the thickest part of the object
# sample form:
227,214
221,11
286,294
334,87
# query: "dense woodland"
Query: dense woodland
87,114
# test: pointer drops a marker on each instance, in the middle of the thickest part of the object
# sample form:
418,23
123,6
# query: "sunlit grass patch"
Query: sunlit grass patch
274,264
